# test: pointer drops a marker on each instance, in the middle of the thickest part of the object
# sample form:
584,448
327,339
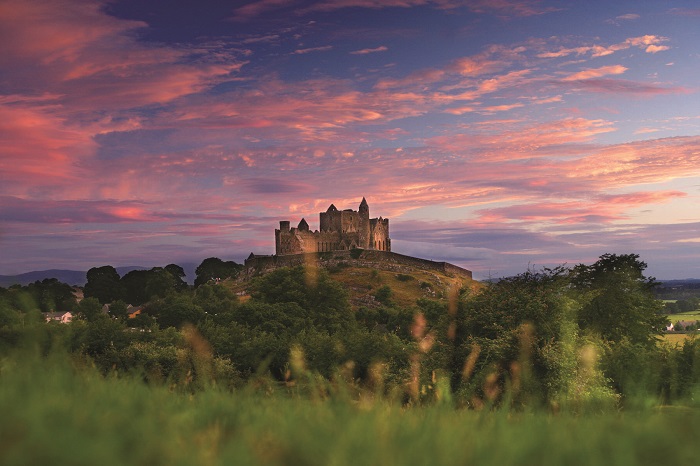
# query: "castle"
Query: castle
340,230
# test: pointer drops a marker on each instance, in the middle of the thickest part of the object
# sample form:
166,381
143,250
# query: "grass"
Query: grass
406,288
56,413
363,281
690,315
678,338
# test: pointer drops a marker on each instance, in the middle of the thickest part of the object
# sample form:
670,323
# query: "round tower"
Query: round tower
363,224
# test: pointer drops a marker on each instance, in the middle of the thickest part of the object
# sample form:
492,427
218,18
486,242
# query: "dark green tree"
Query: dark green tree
175,311
179,274
104,284
324,299
618,299
51,295
522,319
90,309
214,268
160,283
134,284
118,310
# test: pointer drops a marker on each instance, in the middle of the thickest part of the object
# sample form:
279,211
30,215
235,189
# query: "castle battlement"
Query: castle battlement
340,230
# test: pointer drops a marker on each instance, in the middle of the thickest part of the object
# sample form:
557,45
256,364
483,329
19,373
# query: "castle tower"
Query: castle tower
363,227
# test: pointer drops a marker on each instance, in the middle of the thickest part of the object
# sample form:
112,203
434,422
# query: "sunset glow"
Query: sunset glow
495,134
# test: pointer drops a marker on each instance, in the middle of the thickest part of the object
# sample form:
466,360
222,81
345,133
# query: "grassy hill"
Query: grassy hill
363,284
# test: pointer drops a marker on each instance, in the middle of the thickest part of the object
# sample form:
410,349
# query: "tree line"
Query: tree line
588,333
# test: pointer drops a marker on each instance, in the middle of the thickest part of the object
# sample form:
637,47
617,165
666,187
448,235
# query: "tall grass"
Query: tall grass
56,411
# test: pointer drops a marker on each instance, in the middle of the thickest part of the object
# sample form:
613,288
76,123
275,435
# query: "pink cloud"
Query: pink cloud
623,86
596,73
643,42
382,48
656,48
691,12
504,8
599,209
75,50
324,48
540,140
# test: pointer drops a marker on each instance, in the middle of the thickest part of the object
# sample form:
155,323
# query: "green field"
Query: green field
693,315
56,413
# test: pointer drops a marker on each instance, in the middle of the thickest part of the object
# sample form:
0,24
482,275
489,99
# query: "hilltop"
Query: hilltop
373,280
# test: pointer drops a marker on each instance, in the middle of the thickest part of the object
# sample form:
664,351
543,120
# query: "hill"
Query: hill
364,282
71,277
78,277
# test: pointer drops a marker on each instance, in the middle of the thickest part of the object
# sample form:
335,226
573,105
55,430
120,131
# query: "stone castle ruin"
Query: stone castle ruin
340,230
345,237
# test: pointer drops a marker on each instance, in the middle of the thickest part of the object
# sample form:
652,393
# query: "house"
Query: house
683,325
133,311
62,317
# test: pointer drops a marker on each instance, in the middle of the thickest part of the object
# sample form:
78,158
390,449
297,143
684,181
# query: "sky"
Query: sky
498,135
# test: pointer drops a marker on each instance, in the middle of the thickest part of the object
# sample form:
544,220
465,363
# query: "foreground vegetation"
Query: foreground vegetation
548,366
55,412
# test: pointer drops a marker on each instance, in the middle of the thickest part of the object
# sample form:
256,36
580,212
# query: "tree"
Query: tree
141,286
176,310
160,283
214,268
524,320
119,310
90,309
179,274
52,295
104,284
618,300
134,284
324,299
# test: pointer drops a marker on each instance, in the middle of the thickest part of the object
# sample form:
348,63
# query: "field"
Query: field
676,338
57,413
693,315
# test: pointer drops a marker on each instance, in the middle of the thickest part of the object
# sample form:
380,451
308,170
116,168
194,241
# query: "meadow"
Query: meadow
57,411
690,315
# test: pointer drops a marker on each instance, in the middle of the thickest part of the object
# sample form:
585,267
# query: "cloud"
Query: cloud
656,48
381,48
13,209
691,12
649,43
628,17
623,86
541,140
90,59
503,8
596,73
324,48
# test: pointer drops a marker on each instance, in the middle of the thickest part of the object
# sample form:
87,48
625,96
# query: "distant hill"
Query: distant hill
71,277
78,277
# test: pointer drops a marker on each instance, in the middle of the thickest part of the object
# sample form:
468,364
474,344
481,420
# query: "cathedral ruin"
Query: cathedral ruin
340,230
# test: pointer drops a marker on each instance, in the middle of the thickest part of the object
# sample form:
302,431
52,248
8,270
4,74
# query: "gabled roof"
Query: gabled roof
332,208
303,225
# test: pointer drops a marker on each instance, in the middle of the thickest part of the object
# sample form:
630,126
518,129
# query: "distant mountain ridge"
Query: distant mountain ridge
71,277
